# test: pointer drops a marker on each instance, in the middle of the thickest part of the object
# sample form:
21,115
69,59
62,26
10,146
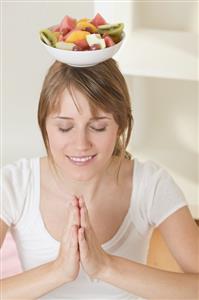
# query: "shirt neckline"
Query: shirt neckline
108,244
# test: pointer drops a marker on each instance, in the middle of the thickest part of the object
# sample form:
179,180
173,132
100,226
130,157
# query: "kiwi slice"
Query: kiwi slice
44,39
116,30
116,38
111,29
105,27
48,37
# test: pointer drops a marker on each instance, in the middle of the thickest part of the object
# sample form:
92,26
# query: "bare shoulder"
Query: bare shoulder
127,169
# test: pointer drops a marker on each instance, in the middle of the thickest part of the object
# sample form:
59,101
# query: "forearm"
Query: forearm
33,283
148,282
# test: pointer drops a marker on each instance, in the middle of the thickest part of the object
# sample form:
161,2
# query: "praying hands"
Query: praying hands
80,245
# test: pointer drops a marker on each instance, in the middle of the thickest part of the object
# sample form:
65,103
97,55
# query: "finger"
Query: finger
84,218
83,246
73,218
81,201
76,216
75,201
73,243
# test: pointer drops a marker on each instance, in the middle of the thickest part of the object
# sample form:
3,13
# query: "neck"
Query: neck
89,189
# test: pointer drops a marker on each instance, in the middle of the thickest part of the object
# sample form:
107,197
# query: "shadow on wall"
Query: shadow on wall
164,15
165,123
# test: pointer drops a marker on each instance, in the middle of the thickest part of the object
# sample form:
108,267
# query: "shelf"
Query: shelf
160,53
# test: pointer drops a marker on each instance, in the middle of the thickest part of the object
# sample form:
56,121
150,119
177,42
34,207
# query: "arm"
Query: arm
145,281
33,283
148,282
182,236
36,282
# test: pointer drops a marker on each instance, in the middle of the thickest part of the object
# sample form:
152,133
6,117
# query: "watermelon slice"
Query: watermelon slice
56,28
61,38
98,20
83,44
108,41
67,24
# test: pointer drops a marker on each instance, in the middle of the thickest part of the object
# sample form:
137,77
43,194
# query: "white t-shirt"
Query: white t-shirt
155,196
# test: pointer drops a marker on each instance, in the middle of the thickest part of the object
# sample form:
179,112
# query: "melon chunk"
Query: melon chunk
95,39
65,46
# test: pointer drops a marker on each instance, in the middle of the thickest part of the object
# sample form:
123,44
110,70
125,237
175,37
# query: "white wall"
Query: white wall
25,63
165,110
165,129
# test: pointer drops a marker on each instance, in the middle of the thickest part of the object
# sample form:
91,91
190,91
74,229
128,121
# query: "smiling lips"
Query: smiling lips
82,159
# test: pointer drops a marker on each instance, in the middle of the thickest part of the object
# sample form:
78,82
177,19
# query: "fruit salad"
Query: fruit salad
83,34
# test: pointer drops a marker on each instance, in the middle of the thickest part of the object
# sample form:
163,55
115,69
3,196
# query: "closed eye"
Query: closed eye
99,129
65,130
68,129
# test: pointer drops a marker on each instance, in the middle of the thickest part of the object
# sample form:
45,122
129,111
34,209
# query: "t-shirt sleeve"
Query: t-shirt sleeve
167,198
14,185
157,197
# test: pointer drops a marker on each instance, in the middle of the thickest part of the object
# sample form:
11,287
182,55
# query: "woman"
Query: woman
83,215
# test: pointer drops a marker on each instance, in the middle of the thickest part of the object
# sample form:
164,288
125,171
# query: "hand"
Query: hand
93,258
68,260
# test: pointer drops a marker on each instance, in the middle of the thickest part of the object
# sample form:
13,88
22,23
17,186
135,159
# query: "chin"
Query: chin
87,173
84,172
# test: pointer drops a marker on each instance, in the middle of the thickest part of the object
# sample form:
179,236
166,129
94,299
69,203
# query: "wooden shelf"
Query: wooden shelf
160,53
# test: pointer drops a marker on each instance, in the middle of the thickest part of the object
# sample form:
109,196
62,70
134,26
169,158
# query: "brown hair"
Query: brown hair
102,84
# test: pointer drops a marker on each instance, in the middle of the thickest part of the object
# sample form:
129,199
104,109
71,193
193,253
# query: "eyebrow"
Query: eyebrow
92,119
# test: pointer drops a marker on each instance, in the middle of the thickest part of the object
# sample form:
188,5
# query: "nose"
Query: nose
82,141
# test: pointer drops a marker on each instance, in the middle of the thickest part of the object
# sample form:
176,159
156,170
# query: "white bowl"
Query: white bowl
83,58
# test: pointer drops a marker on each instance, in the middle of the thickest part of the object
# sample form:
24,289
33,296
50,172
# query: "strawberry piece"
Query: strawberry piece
108,41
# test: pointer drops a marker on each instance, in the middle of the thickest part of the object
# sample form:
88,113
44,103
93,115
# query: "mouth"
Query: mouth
81,160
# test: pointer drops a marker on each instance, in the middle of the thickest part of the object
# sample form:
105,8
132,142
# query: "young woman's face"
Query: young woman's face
81,145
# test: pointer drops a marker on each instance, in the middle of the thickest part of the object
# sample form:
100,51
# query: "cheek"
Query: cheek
56,141
107,143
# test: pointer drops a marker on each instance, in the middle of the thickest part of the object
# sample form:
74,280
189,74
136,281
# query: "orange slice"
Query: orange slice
84,20
84,25
76,35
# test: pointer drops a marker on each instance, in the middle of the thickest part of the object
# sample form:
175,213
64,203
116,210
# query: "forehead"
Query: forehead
74,103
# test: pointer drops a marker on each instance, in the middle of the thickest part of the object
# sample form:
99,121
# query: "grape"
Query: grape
95,47
89,29
77,48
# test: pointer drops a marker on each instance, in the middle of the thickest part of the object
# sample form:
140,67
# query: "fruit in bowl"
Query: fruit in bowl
83,35
83,43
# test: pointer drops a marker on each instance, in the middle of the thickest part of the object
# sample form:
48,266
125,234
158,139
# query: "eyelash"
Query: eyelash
68,129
